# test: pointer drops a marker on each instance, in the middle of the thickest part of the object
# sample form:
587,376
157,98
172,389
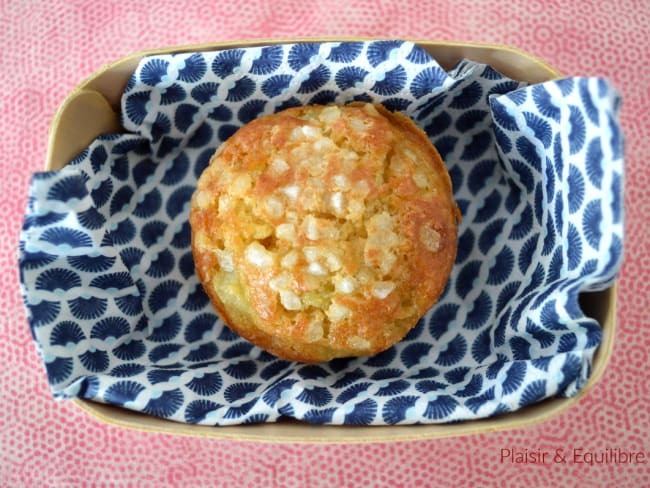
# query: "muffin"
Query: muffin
324,231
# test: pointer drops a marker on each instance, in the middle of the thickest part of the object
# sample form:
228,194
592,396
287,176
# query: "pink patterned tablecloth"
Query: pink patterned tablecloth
47,47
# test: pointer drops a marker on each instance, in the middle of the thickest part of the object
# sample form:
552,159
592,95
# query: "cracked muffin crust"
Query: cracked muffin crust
324,231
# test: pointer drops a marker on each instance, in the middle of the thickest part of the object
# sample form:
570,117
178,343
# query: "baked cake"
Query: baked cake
324,231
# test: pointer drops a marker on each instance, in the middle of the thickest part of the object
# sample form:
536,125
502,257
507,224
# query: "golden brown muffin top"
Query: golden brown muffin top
324,231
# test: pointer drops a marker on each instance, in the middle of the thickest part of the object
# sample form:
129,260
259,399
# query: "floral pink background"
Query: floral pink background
48,46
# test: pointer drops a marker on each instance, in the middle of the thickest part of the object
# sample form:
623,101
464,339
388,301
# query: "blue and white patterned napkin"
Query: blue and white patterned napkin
119,316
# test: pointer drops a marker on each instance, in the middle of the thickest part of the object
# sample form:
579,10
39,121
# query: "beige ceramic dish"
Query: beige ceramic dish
93,108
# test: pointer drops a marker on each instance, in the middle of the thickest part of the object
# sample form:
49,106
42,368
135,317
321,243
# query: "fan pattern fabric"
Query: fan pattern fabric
119,316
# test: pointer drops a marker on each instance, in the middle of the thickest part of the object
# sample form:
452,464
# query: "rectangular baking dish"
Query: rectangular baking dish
92,108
